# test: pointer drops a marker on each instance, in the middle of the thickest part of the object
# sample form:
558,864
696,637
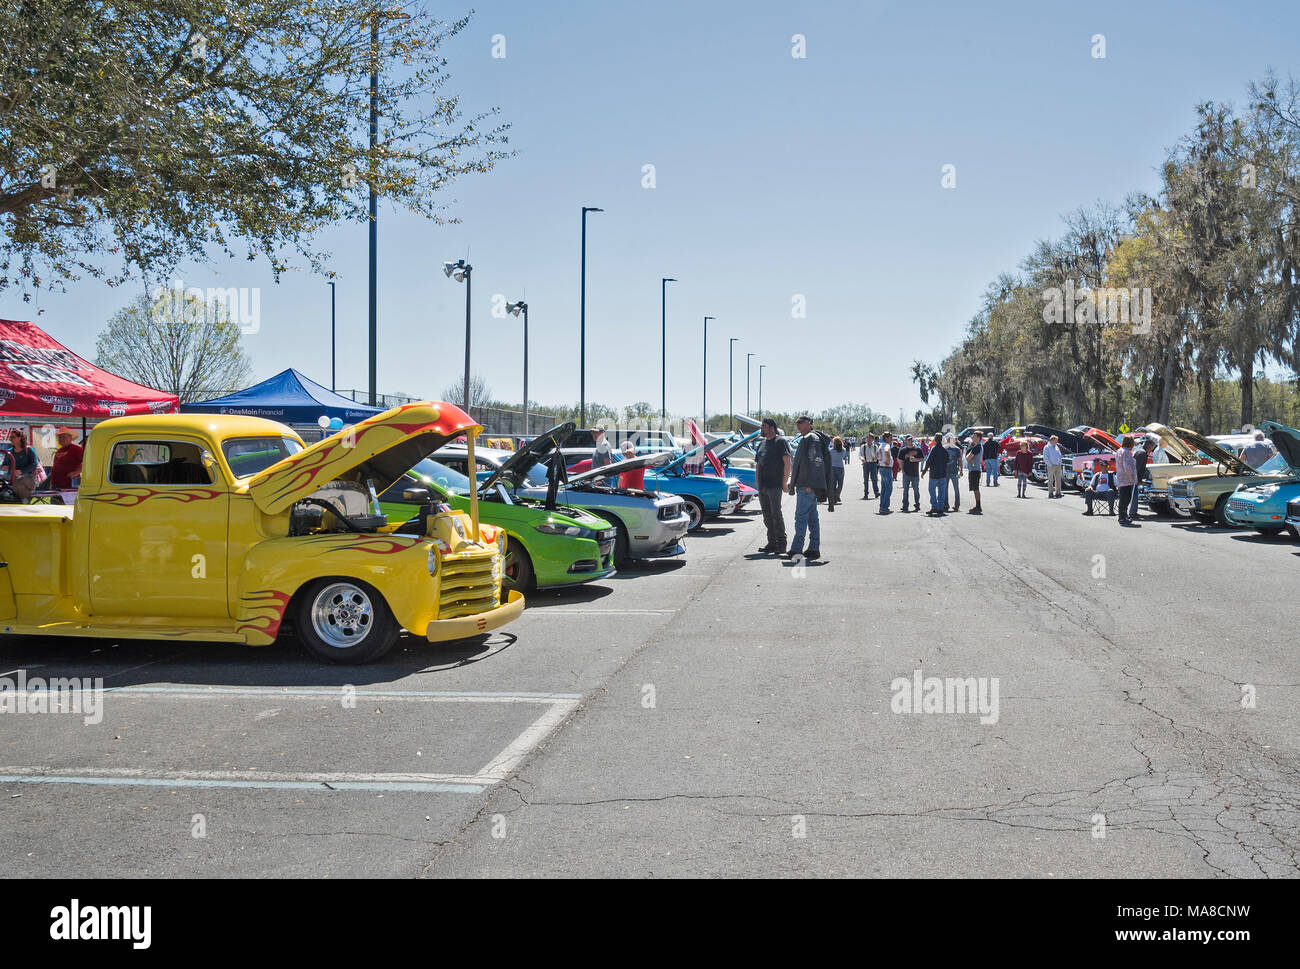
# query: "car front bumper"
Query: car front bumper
442,630
1185,506
659,539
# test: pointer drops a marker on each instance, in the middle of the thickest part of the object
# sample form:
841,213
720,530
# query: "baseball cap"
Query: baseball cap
804,417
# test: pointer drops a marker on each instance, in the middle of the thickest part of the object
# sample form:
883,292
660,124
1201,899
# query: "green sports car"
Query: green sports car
546,547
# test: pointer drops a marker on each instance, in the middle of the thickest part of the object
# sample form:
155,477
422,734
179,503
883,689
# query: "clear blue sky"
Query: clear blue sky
775,176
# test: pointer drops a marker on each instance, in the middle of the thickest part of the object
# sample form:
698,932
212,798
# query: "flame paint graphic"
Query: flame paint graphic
374,545
136,496
263,611
304,469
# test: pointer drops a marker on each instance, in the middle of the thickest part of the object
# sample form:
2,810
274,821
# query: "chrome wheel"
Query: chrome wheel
342,615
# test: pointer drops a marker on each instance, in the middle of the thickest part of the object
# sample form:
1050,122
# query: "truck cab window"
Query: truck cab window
157,463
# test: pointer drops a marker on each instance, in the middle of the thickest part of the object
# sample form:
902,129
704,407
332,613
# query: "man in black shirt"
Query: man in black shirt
911,457
992,452
772,475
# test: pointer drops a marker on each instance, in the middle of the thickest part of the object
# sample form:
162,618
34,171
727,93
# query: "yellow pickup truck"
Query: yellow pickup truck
222,528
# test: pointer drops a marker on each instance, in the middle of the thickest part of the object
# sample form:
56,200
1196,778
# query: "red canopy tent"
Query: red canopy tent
40,376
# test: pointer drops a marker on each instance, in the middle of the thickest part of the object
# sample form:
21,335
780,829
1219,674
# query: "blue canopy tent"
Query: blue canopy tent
289,398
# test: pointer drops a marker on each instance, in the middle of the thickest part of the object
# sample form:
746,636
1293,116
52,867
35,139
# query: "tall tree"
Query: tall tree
138,133
175,342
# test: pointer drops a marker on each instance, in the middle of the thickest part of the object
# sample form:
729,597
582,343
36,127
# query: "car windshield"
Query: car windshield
1275,465
440,476
249,455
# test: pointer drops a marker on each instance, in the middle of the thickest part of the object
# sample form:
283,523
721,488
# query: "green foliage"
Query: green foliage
1208,274
138,134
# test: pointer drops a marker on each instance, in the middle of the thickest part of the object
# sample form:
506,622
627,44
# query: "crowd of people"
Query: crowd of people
814,472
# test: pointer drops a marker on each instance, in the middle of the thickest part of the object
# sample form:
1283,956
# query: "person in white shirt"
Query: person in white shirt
1052,460
885,466
1159,455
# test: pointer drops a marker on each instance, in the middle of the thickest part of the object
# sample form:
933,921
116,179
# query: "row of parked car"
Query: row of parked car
225,528
1205,478
567,523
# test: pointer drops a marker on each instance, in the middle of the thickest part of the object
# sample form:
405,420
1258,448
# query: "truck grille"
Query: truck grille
468,585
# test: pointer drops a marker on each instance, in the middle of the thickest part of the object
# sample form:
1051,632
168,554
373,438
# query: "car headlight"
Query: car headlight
560,528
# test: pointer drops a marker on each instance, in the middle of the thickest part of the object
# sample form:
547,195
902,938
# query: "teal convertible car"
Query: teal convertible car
1263,506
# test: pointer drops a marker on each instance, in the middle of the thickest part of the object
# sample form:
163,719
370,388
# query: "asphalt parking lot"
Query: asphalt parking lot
725,714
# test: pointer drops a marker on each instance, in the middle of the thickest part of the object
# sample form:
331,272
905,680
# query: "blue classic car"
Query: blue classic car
1263,506
706,495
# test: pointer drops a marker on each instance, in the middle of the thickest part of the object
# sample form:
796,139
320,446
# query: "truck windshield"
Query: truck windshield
249,455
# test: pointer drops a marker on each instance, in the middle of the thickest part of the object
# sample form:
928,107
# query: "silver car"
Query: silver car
649,525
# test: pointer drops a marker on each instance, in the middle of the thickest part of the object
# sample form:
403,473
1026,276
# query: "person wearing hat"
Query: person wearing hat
67,460
810,479
772,476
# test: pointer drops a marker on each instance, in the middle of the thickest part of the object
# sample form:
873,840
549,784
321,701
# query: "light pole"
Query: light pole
761,366
582,324
747,356
333,343
663,323
731,407
374,199
373,177
460,271
704,399
514,308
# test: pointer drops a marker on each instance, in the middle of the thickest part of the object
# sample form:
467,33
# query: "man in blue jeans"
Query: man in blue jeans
936,466
810,474
992,449
885,461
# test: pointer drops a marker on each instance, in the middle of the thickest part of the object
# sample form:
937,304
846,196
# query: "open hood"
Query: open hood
652,460
1216,452
1179,452
695,452
532,452
1287,441
745,421
735,446
1096,435
381,449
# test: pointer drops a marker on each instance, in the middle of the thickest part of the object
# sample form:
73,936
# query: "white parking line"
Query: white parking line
559,706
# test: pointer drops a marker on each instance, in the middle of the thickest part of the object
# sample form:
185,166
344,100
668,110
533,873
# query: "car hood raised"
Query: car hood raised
695,452
381,449
652,460
735,446
1178,450
1216,452
532,452
1287,441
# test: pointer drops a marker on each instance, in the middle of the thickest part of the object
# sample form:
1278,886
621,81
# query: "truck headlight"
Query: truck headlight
433,559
